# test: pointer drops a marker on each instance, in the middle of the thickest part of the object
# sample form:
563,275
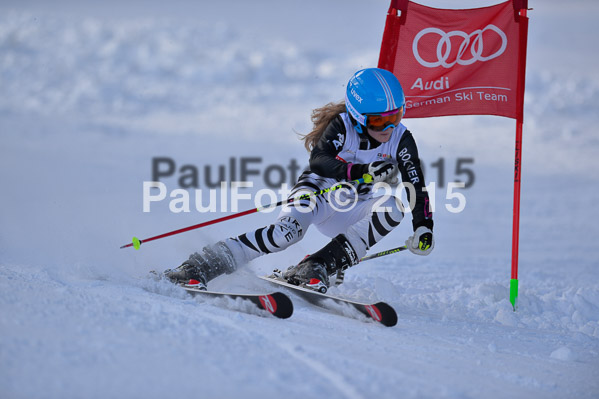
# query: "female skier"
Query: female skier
358,137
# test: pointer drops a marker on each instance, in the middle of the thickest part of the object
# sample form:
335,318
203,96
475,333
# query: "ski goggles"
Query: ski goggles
380,122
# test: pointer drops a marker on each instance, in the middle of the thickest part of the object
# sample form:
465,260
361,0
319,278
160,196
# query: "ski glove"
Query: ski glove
422,242
393,178
381,170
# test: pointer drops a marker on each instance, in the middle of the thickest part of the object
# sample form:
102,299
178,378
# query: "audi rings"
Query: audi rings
444,46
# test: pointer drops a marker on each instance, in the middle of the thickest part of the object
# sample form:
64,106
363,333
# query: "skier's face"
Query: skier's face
381,137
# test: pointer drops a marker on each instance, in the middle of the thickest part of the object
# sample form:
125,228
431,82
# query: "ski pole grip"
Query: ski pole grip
136,242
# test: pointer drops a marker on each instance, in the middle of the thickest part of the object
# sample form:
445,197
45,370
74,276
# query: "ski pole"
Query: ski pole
136,242
340,275
384,253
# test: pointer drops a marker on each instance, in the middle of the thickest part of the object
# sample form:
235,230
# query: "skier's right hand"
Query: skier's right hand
422,242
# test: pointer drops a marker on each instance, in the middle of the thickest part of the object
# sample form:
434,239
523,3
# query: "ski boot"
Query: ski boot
202,267
313,271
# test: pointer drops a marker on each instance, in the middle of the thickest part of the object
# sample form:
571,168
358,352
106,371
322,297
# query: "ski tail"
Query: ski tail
381,312
276,303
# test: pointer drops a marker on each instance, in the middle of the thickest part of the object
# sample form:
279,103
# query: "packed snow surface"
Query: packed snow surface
92,93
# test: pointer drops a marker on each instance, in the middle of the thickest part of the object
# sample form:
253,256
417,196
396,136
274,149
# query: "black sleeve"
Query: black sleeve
323,158
411,173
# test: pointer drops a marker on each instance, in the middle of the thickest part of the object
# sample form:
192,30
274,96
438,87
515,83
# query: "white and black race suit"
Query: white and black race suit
340,155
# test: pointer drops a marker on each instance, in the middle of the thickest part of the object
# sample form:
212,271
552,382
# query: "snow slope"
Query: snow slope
92,92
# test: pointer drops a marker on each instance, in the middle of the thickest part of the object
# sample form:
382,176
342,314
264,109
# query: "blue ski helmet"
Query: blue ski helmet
372,91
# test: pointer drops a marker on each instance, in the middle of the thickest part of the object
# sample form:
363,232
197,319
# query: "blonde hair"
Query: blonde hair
321,117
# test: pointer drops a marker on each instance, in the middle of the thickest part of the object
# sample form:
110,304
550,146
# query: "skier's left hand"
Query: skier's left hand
393,179
422,242
380,170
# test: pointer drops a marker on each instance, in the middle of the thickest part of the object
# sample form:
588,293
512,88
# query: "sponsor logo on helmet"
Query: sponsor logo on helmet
356,95
361,119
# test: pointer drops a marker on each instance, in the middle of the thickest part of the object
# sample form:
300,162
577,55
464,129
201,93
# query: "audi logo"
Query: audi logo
473,40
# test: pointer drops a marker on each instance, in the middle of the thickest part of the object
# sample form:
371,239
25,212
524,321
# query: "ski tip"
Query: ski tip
278,304
388,316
